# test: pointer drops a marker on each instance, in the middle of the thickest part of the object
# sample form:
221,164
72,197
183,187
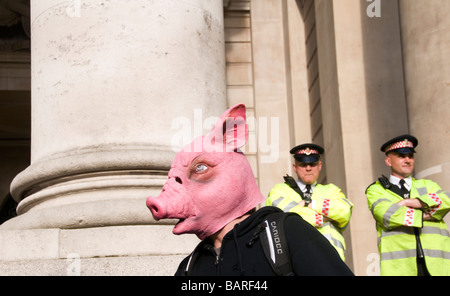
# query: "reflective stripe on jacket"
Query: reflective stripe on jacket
330,211
395,227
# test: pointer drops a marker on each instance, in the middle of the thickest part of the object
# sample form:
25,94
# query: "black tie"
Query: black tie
405,191
307,194
419,249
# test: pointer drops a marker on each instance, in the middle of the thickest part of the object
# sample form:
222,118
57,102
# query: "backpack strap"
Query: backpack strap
273,241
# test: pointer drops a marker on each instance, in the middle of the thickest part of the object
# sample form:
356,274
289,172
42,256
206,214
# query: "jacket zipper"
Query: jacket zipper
217,260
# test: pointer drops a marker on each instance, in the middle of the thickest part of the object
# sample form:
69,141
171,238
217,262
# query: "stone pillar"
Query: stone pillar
109,80
275,88
426,44
361,84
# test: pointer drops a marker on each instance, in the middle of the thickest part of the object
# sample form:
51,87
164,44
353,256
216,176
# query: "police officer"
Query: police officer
323,206
413,239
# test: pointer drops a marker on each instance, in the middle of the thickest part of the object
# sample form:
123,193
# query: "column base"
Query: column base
106,186
108,266
122,250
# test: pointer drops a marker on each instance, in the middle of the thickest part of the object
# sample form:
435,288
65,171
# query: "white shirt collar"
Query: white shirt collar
396,181
303,186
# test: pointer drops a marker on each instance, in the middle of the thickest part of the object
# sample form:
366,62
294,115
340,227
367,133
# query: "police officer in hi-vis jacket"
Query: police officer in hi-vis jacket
413,239
323,206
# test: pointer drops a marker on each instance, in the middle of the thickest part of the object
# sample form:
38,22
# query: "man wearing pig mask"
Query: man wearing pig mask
212,191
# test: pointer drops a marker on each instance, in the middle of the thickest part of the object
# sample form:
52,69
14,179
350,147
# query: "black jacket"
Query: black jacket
311,253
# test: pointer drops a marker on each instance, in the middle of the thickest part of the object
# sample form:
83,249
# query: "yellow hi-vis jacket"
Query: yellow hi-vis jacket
395,227
330,211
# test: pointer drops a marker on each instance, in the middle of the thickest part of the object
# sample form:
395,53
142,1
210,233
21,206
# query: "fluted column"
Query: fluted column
426,44
109,79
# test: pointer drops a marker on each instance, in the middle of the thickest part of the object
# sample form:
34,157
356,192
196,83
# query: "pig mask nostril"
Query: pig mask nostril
153,208
178,180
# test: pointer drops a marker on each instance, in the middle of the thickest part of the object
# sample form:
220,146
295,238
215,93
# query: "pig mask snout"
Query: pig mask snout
172,203
156,209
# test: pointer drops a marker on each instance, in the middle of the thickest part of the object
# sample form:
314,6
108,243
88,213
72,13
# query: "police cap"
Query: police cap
404,144
307,153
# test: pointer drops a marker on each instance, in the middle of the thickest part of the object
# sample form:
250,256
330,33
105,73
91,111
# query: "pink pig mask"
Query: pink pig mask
210,181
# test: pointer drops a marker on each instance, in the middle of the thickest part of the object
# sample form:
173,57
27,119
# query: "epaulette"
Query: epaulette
384,181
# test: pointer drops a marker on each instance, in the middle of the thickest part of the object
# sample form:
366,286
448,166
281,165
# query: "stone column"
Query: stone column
362,99
109,78
426,44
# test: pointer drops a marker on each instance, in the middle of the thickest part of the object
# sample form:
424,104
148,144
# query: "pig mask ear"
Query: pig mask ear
230,131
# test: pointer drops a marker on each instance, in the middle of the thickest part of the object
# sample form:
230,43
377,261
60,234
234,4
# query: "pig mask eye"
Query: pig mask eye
200,168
